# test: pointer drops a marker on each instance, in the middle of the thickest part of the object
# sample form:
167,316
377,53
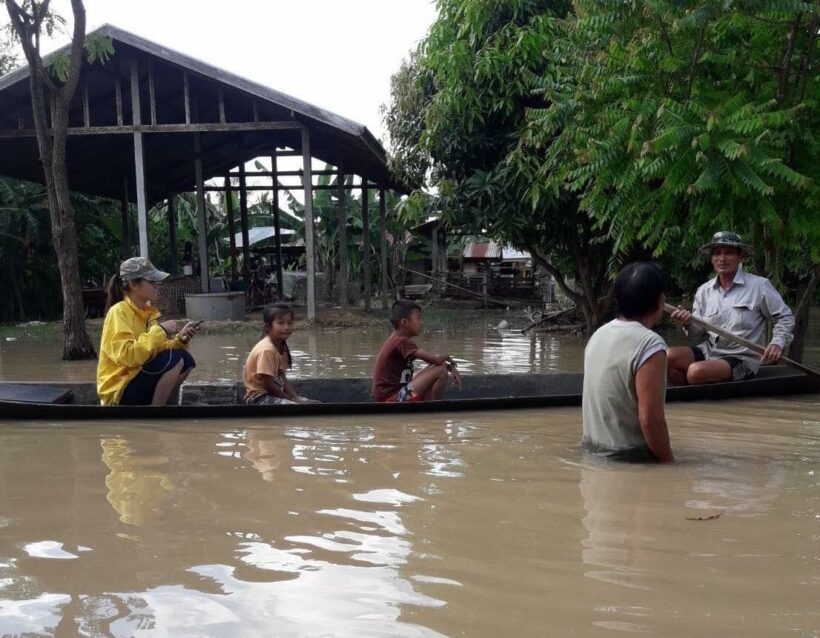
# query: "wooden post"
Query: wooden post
341,220
202,225
126,230
231,225
118,100
186,89
221,103
139,161
86,109
434,255
368,292
172,234
383,251
152,92
243,221
310,255
280,280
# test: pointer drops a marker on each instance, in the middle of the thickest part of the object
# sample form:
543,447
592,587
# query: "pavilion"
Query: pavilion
151,122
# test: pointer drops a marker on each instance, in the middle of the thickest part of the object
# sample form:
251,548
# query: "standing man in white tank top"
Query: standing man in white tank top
625,374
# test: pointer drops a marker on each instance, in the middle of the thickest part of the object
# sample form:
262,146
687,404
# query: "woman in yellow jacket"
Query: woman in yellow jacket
142,361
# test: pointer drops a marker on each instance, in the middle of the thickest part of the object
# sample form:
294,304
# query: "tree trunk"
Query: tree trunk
588,300
52,147
805,296
18,298
77,344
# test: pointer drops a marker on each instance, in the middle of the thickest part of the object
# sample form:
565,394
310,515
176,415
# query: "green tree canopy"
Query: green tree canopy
456,121
597,132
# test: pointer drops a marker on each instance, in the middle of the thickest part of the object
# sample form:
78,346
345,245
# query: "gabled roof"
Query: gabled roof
99,163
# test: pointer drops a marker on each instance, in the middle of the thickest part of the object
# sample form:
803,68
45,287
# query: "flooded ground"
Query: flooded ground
478,524
475,343
478,347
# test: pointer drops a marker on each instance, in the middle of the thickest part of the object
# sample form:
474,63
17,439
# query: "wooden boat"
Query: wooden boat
64,401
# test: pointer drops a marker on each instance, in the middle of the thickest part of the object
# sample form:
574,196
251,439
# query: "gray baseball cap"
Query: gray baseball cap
140,268
725,238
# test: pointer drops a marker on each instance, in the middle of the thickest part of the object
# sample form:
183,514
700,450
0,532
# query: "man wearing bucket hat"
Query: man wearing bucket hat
736,301
142,361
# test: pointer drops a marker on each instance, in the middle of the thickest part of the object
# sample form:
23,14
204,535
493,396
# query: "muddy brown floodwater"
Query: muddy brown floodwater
476,524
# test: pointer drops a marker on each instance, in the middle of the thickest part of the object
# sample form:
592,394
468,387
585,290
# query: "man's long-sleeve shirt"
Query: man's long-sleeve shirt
743,309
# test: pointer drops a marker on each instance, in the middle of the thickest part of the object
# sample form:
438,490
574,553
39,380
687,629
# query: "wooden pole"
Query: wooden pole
310,254
152,93
186,91
118,100
280,280
368,291
202,224
231,225
751,345
341,220
172,234
139,161
383,251
434,251
221,103
243,221
125,221
86,108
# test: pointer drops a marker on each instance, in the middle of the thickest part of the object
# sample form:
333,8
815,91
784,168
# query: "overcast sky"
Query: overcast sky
332,53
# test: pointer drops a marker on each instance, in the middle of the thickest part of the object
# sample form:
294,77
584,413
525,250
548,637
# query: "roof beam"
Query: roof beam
205,127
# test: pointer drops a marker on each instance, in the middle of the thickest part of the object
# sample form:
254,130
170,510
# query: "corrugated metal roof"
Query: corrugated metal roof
482,250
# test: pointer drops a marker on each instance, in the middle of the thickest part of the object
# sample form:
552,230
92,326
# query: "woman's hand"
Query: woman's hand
188,331
170,327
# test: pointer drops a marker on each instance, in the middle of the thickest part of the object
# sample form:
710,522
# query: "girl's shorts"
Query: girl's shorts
140,390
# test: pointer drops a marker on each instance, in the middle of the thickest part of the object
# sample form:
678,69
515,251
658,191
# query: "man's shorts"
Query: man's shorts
404,395
740,369
140,390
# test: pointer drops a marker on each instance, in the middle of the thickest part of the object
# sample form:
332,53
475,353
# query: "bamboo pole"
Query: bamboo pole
744,342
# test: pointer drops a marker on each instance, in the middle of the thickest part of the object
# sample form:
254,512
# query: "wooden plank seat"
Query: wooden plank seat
34,393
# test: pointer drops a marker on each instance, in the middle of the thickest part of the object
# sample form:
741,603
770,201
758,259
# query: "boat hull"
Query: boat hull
351,396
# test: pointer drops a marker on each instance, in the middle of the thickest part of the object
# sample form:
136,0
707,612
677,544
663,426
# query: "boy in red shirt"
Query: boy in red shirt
393,379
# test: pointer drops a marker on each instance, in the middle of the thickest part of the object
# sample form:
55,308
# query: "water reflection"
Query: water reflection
422,526
730,510
476,344
315,353
137,487
618,548
278,558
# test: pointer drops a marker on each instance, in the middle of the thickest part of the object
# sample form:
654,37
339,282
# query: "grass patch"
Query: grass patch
31,329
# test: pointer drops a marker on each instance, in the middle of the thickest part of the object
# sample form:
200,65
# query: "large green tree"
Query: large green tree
52,88
457,121
672,120
610,130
